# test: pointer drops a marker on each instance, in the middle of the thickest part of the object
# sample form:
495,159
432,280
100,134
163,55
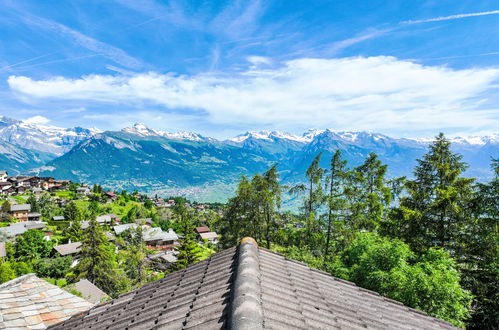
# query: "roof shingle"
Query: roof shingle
251,287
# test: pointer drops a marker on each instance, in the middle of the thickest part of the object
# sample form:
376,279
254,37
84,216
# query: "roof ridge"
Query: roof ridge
246,310
17,280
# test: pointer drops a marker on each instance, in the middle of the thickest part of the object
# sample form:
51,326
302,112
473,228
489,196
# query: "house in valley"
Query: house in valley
20,211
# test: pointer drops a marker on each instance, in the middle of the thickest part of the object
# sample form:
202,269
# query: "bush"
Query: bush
54,268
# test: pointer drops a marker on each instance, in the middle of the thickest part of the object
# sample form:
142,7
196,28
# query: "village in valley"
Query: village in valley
50,217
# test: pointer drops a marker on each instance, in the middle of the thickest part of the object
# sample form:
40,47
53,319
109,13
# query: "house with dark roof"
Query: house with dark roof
29,302
249,287
69,249
89,291
203,229
20,211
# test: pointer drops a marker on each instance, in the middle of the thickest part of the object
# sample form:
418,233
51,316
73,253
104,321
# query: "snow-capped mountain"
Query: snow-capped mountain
151,160
142,130
43,138
268,136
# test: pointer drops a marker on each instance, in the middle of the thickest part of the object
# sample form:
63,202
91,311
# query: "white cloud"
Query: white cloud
451,17
375,93
36,120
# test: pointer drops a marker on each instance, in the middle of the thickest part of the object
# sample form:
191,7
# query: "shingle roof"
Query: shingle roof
89,291
28,302
208,235
252,288
20,207
66,249
202,229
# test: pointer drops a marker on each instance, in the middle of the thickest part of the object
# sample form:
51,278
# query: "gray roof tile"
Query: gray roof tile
291,295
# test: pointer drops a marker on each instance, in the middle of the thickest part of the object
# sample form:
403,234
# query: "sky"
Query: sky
405,68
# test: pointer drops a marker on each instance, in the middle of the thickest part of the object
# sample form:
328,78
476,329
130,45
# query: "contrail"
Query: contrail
446,18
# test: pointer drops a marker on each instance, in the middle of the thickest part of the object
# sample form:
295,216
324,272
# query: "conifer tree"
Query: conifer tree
371,193
315,197
436,209
97,261
336,199
71,212
480,262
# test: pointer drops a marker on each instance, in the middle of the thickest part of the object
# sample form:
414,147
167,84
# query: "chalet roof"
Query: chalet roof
29,302
251,288
67,249
58,218
89,291
20,207
209,235
3,252
203,229
18,228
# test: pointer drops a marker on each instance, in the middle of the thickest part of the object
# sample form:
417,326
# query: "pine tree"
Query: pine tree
35,207
336,199
97,262
480,262
134,255
188,250
71,212
371,193
436,208
315,197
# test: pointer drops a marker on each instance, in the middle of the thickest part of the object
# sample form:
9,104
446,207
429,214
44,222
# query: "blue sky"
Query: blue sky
403,68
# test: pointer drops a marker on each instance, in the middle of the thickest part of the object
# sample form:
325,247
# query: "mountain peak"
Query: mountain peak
141,130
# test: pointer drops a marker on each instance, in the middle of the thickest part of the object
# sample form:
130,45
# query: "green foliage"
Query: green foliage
53,268
31,245
7,273
189,250
98,263
430,283
437,206
71,212
253,211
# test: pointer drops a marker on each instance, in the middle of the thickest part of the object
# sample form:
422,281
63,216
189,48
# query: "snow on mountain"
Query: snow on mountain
267,136
43,138
142,130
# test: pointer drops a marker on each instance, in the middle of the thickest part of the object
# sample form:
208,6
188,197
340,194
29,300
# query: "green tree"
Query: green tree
188,250
371,194
480,261
74,232
6,272
315,196
134,255
53,268
71,212
430,283
437,207
97,261
335,199
31,245
35,207
6,206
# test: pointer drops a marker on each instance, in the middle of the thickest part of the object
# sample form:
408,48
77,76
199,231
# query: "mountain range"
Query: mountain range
204,168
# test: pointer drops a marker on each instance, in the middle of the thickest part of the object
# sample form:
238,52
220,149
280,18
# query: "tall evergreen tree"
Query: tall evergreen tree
371,194
437,207
188,250
480,262
97,261
71,212
315,197
336,199
134,255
